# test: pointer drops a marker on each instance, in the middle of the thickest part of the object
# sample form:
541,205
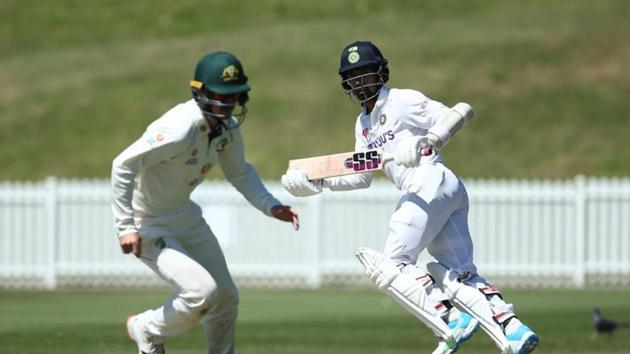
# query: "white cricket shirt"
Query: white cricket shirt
156,174
397,114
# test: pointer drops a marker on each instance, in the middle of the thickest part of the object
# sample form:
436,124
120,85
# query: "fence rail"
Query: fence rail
526,232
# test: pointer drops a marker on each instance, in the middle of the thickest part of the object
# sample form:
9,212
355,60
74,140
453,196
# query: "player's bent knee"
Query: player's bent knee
199,296
227,297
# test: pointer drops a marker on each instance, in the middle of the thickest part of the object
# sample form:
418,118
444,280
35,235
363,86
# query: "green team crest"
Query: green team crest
160,243
230,73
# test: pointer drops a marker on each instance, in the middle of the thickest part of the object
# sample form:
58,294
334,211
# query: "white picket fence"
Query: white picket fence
529,233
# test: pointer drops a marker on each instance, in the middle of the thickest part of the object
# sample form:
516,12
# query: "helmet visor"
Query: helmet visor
363,86
221,106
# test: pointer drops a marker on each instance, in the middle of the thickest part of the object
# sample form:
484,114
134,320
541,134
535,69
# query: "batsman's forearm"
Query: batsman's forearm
349,182
458,116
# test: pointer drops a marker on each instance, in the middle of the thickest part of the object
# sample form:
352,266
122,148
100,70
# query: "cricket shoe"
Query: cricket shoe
146,343
463,327
522,339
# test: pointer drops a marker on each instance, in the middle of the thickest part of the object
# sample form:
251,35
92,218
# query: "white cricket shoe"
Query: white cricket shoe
145,342
522,339
463,326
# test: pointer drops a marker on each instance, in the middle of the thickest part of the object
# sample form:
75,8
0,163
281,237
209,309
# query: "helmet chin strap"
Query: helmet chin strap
218,122
205,104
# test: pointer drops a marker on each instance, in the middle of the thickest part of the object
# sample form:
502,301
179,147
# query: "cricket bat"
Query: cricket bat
344,163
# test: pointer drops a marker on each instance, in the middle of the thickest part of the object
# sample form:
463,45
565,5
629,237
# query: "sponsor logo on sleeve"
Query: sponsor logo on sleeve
155,139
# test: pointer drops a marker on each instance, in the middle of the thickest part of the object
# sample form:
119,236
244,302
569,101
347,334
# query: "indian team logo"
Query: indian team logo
353,57
230,73
205,168
194,152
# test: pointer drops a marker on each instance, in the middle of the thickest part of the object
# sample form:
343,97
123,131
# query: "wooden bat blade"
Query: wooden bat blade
341,164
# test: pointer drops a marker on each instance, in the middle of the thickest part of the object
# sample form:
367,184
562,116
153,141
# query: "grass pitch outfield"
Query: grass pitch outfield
303,322
548,80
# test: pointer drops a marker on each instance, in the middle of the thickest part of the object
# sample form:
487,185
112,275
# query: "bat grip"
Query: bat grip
426,151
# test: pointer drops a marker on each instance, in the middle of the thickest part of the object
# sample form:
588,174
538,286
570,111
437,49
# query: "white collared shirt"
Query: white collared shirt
156,174
397,114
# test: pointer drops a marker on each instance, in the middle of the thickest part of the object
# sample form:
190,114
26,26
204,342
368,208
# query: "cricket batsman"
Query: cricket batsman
452,299
155,219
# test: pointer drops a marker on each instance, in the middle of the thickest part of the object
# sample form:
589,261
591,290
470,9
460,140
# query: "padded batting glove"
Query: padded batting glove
297,183
409,151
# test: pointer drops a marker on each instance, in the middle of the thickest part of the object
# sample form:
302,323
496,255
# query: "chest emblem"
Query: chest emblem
365,132
205,168
194,152
221,144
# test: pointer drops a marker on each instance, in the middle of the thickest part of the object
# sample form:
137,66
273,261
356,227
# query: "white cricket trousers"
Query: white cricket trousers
186,254
433,216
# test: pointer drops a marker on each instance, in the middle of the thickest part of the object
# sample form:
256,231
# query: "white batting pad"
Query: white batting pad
403,288
469,299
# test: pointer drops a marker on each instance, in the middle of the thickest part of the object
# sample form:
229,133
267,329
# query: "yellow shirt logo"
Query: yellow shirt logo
230,73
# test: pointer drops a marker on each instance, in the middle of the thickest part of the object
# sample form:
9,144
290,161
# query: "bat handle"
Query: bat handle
387,157
426,151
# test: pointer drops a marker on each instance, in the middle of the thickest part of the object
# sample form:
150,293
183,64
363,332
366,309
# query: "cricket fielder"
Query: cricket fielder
152,180
432,213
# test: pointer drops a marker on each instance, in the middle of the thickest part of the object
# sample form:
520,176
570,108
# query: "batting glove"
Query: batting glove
409,151
297,183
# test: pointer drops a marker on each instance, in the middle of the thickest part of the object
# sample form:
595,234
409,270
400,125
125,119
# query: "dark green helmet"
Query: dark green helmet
220,72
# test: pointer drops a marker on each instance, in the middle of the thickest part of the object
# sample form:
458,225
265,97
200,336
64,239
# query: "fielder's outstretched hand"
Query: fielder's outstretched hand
286,213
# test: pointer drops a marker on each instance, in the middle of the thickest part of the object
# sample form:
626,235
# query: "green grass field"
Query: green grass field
548,79
343,321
